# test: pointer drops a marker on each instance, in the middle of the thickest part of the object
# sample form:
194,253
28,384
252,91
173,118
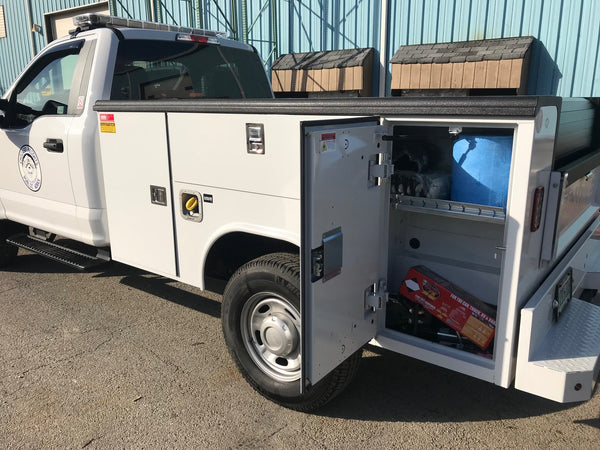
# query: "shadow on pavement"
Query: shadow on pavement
594,423
32,263
161,287
158,286
395,388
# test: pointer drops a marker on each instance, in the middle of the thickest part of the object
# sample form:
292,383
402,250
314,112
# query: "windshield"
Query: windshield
150,70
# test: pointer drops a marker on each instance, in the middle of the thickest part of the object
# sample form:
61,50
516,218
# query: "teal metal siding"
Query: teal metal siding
131,9
41,7
15,51
16,48
214,15
565,60
315,25
261,19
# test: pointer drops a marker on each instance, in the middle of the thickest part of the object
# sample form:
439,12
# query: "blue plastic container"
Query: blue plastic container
481,169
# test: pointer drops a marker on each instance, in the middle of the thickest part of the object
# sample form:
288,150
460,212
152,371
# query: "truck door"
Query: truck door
35,186
344,238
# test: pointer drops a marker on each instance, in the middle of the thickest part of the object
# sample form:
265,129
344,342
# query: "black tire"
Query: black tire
268,288
8,252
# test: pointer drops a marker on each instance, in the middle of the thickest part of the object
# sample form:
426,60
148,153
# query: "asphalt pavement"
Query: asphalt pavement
120,358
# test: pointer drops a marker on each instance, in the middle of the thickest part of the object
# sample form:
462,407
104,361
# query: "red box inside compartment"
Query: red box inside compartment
458,309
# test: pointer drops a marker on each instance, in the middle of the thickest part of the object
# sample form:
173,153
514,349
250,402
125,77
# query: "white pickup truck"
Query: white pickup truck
459,231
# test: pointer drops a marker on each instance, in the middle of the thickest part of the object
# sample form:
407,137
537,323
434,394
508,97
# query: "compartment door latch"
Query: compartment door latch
376,295
326,260
380,168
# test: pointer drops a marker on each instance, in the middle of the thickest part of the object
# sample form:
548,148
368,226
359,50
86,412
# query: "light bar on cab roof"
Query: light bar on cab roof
197,38
92,20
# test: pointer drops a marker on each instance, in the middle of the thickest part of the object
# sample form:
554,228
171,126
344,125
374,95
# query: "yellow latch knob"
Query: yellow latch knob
191,204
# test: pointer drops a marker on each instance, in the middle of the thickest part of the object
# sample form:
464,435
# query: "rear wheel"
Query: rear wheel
261,326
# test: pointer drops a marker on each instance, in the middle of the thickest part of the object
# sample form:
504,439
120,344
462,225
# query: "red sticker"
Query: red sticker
328,137
107,117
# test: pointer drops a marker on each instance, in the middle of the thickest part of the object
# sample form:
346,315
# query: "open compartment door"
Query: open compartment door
345,195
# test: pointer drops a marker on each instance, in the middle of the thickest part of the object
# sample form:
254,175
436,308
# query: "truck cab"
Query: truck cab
49,131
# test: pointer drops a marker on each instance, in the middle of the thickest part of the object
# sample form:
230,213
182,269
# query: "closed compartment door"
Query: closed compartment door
137,181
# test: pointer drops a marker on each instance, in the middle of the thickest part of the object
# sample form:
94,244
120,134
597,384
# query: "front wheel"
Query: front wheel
261,326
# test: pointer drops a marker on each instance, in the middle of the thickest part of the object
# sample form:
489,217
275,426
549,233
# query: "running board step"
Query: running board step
56,252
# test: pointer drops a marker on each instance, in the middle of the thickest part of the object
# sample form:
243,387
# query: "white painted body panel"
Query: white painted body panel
530,169
52,206
210,149
141,232
560,360
232,211
437,354
256,194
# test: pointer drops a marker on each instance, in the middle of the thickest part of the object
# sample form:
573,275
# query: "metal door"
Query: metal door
137,184
36,184
344,239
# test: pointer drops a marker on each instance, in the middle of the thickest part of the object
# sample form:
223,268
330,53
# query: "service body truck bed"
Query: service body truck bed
312,213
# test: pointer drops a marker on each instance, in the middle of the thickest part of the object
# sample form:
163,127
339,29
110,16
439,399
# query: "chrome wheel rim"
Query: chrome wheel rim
271,334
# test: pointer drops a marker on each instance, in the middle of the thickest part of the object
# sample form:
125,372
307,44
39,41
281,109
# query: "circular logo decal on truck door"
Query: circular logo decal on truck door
29,166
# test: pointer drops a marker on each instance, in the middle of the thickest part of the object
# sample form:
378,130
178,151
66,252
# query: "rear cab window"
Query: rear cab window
153,70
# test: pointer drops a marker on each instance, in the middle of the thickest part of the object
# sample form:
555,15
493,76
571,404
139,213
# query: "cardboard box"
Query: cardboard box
458,309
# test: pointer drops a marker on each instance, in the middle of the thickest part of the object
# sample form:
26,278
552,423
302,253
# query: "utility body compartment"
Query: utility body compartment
474,194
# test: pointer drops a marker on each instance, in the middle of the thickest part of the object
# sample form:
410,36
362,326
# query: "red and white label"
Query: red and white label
107,123
327,141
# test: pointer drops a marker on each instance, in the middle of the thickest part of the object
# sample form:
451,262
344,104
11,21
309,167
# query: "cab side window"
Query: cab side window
45,88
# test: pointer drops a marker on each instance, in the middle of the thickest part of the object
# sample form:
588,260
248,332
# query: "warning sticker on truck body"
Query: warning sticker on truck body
107,123
327,141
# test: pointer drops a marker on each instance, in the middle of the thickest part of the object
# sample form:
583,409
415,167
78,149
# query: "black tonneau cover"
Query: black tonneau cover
515,106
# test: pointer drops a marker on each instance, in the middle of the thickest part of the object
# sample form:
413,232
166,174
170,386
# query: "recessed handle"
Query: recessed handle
54,145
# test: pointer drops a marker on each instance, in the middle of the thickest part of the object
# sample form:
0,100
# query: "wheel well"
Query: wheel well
232,251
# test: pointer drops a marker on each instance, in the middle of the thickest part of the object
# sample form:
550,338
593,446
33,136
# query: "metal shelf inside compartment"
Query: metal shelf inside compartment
469,211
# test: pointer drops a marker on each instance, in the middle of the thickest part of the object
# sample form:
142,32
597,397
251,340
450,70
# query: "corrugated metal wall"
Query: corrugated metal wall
564,62
213,15
15,51
41,7
313,25
17,48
